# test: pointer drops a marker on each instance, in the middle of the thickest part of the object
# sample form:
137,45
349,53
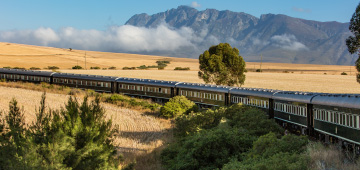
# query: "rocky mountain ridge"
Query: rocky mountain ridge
278,38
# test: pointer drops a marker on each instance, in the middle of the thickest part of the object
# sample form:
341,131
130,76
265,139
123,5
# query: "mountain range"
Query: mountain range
270,38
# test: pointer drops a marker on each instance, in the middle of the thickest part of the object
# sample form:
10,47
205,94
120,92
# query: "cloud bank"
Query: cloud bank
287,42
124,38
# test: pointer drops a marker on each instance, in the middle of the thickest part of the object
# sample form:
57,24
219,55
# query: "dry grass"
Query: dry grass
330,157
301,77
281,81
141,134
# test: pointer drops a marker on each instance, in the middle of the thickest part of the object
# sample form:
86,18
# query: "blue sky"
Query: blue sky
99,15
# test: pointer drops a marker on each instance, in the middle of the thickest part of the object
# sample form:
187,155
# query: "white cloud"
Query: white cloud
288,42
302,10
194,4
124,38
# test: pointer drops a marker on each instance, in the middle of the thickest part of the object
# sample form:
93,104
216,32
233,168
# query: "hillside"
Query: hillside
279,38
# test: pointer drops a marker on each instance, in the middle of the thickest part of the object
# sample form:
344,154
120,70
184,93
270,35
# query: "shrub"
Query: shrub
128,68
285,71
113,68
142,67
7,67
19,68
53,67
161,68
182,68
94,68
258,70
77,67
34,68
177,106
104,68
196,121
343,73
209,149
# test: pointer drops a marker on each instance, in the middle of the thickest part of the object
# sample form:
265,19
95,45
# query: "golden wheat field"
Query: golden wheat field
141,134
282,76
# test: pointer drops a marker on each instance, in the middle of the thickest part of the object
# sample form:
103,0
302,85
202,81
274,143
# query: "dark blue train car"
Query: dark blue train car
25,75
337,117
83,81
159,90
260,98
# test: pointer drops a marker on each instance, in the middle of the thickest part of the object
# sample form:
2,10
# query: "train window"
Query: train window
220,97
358,122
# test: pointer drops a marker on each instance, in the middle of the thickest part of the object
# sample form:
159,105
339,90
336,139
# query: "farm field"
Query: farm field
282,76
141,134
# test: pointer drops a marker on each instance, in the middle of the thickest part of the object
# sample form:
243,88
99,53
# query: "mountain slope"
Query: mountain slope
279,38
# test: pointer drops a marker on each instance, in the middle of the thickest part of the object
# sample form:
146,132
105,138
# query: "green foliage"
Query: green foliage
95,68
35,68
353,42
76,137
128,68
182,68
112,68
132,102
343,73
222,65
196,121
7,67
254,121
177,106
258,70
77,67
207,150
213,138
53,67
269,152
162,64
19,68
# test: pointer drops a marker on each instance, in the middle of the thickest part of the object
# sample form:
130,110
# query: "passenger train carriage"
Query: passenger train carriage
82,81
328,117
146,88
294,108
26,75
260,98
204,94
337,116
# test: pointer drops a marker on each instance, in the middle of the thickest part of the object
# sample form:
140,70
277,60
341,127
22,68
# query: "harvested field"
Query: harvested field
141,134
282,76
280,81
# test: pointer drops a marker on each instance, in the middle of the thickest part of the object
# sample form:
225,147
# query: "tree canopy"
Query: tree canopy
353,42
222,65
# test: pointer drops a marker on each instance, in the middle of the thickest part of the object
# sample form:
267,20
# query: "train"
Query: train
329,117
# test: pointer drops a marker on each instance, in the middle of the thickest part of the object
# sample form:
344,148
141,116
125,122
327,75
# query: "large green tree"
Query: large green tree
222,65
353,42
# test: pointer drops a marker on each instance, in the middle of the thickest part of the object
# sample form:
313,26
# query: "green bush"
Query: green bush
209,149
75,137
182,68
177,106
343,73
258,70
196,121
77,67
19,68
35,68
53,67
254,120
94,68
129,68
269,152
7,67
112,68
133,102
